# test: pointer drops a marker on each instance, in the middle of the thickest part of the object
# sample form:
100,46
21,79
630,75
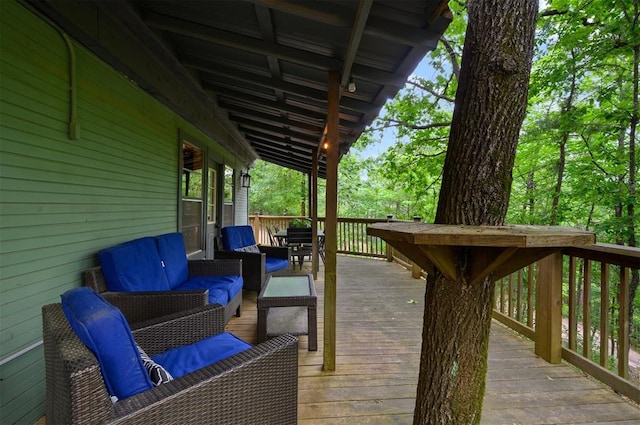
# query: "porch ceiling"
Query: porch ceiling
263,64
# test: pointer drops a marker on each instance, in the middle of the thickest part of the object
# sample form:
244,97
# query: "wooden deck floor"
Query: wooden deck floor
379,325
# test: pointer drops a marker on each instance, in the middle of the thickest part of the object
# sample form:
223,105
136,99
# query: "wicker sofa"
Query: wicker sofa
256,386
195,283
258,261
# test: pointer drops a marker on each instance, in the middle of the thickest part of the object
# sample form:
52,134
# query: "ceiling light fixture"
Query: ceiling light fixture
352,85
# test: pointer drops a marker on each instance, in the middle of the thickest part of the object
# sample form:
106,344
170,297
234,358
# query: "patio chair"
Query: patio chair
272,240
300,240
258,261
255,386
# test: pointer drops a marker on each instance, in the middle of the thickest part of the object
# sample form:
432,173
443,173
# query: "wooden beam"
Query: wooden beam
331,223
362,14
548,344
313,206
240,42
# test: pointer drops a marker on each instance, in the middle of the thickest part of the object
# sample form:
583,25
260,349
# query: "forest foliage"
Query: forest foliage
576,163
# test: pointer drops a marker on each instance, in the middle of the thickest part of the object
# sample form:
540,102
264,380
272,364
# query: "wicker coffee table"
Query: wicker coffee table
282,304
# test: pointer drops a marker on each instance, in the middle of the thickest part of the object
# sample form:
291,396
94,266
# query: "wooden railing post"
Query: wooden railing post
257,228
548,344
416,270
389,248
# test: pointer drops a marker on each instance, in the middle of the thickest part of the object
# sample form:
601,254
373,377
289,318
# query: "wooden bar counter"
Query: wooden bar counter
500,250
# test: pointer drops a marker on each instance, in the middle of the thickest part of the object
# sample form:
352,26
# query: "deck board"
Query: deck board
378,336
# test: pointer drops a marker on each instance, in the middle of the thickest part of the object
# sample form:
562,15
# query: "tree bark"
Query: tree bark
635,117
489,110
562,159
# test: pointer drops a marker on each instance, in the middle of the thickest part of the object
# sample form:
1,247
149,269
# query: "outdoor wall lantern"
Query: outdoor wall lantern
245,179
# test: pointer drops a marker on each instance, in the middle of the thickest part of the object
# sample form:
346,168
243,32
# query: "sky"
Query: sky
422,70
389,138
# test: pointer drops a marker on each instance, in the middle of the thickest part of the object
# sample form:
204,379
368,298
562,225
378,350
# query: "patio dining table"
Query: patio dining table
281,236
281,239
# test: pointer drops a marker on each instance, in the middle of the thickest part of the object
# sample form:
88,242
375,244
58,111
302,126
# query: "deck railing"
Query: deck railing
352,233
551,302
575,306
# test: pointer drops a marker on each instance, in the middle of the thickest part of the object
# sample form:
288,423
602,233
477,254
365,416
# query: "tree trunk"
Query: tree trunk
562,159
489,110
635,117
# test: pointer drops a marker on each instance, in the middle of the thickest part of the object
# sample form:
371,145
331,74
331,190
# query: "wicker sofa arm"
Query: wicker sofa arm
249,259
215,267
142,306
258,386
253,267
186,327
276,251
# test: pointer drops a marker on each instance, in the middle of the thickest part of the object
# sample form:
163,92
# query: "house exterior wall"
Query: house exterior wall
241,204
64,199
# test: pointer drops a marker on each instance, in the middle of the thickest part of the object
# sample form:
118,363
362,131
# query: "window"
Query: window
192,197
227,210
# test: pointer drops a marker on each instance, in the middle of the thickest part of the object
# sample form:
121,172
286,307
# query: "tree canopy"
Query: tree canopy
575,163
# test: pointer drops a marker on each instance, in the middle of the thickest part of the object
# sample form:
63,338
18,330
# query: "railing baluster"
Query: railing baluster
573,305
502,306
519,297
586,310
623,322
510,300
604,314
530,298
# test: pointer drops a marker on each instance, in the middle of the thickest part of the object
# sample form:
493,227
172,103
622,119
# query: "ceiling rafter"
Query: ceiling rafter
253,74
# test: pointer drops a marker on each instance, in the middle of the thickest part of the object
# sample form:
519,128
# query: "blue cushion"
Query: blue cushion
218,295
275,264
104,330
174,257
133,266
234,237
229,284
189,358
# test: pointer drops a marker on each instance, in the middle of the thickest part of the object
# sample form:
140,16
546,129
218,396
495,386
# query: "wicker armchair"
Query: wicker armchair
256,266
141,306
257,386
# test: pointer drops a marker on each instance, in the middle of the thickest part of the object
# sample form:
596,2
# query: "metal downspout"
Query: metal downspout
73,118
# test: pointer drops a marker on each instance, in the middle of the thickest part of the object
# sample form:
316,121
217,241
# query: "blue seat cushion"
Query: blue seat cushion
133,266
221,288
275,264
189,358
174,258
104,330
234,237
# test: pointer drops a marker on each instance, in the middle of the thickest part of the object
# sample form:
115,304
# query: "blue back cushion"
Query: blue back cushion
234,237
174,257
189,358
104,330
133,266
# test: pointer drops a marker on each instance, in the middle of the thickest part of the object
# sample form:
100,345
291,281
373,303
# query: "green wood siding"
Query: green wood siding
62,200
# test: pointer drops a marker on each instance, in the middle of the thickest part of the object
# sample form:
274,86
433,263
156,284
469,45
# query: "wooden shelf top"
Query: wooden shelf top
495,250
516,236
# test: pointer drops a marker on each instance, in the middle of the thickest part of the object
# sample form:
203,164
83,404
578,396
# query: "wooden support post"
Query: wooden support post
389,247
331,223
548,344
257,228
416,271
313,208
